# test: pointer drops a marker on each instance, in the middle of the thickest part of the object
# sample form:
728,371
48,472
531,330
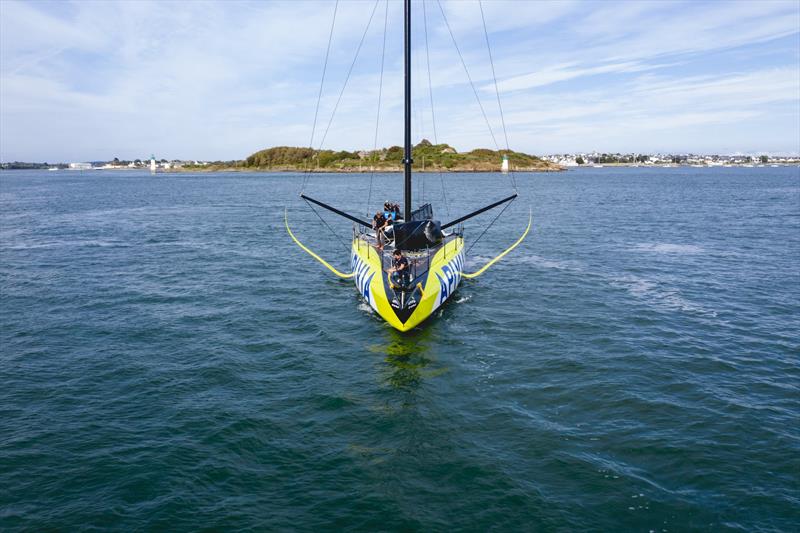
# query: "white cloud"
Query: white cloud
180,75
662,113
564,72
81,80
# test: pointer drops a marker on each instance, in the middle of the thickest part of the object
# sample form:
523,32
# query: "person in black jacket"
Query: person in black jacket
401,273
378,224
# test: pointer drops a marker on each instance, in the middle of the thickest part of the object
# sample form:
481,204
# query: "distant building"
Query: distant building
80,166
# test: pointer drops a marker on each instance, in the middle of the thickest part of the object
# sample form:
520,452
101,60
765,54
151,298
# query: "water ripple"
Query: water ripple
170,361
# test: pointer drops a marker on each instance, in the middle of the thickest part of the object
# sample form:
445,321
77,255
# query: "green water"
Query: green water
170,361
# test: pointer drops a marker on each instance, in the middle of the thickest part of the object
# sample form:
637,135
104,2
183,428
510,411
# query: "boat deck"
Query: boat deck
419,260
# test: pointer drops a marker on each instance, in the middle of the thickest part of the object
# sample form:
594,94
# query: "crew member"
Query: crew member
391,210
400,269
388,230
378,224
388,210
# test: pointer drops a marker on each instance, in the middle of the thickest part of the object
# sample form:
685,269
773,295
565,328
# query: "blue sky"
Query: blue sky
219,80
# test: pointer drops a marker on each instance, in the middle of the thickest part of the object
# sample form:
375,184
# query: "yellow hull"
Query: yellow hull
440,282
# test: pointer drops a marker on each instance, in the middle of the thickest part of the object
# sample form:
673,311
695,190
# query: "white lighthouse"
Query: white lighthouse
504,168
152,164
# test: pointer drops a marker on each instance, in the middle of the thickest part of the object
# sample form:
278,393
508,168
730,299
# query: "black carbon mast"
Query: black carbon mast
407,161
407,148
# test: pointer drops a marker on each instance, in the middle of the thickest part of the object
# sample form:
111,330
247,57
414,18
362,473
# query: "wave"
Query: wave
651,293
667,248
543,262
67,244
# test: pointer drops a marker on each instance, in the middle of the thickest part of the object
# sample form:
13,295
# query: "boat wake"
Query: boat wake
652,293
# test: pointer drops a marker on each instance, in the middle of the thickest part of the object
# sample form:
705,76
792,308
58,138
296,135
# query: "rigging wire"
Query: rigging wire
319,96
489,226
349,72
333,114
326,224
430,94
473,275
497,92
419,124
310,252
466,70
378,115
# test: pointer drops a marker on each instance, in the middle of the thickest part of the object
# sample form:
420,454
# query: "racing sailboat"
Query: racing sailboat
434,250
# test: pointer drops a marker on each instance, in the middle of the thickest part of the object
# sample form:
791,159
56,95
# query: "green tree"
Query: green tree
579,160
394,153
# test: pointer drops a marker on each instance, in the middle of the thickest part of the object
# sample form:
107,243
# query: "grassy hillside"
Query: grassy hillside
439,157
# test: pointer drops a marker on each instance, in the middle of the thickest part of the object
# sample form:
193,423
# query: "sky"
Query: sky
93,80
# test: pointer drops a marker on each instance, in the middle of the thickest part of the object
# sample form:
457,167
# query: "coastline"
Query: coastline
555,168
393,170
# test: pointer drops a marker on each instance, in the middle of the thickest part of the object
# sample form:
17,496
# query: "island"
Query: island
427,157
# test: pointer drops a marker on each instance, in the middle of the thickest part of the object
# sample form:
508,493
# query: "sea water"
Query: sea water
170,360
